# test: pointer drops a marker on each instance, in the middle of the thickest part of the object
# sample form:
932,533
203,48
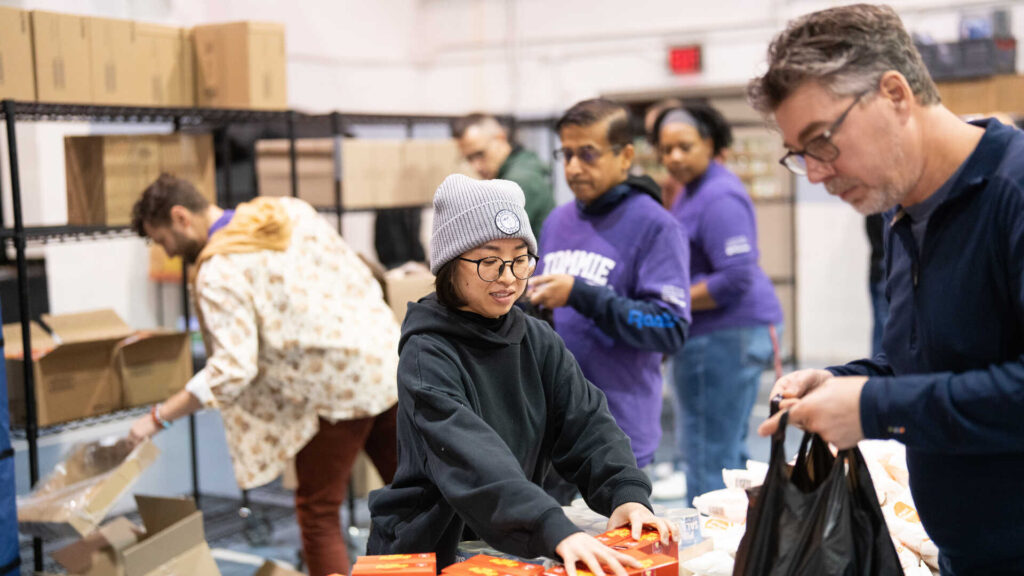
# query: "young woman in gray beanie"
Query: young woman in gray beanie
490,400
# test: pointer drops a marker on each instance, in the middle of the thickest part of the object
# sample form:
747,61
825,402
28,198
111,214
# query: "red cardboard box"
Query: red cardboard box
649,542
396,565
503,565
653,565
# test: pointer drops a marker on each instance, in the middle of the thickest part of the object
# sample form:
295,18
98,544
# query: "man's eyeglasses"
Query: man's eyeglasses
586,154
491,268
820,147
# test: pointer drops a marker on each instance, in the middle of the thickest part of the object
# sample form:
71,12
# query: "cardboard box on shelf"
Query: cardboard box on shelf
406,284
117,78
190,157
17,75
314,163
240,65
166,59
61,48
371,173
173,542
152,366
107,174
425,165
395,173
74,498
74,376
94,363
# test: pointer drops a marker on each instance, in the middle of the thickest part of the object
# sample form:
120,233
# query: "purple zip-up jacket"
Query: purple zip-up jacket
630,303
717,214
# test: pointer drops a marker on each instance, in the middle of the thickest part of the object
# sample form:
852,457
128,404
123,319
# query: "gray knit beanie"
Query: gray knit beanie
468,213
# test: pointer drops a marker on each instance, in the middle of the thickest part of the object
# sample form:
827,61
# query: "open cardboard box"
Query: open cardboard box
94,363
173,543
74,498
73,374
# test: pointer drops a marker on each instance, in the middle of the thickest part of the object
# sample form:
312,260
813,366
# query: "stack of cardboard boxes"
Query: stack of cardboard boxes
92,363
66,58
376,173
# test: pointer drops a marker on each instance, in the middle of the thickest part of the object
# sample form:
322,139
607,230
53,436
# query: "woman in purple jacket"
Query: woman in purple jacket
736,316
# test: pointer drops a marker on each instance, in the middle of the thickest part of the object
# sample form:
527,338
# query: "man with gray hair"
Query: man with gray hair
486,147
859,113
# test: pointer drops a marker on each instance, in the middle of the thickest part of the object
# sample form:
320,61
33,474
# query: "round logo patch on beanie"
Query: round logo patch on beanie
507,221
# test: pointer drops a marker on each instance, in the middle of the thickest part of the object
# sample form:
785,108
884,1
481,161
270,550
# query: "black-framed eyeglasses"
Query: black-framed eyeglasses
491,268
820,147
586,154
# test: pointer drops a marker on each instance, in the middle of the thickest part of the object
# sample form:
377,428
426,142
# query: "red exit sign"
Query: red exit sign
684,59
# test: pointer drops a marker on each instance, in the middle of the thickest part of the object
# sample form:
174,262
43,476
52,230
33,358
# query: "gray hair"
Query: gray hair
847,50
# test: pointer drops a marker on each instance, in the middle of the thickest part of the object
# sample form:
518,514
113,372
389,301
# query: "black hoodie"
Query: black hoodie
485,407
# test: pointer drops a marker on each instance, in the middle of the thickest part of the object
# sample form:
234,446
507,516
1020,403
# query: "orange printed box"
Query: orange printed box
652,565
390,558
649,542
505,565
396,565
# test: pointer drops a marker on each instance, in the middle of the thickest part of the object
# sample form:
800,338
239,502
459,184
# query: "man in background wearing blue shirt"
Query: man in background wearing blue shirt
859,113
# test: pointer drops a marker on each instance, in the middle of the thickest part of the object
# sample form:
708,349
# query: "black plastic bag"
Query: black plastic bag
818,517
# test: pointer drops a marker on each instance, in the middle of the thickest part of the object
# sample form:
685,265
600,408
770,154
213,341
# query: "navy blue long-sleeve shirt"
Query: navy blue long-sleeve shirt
950,383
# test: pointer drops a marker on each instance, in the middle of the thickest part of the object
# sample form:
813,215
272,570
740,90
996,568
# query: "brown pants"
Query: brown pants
323,467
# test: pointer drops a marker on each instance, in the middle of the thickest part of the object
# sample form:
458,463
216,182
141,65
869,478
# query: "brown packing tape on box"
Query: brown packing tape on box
240,65
173,543
165,62
76,496
17,74
116,75
61,46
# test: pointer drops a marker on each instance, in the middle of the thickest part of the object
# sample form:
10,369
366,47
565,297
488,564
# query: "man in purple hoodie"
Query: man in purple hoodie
614,267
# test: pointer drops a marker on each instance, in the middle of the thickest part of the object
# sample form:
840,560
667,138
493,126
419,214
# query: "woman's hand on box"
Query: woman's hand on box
582,547
637,515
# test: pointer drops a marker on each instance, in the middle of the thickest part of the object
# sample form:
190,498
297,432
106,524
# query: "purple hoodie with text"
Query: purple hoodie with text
630,303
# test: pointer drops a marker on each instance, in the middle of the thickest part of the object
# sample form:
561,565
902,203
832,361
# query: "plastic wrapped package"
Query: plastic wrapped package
905,526
725,535
714,563
887,463
728,504
743,479
75,497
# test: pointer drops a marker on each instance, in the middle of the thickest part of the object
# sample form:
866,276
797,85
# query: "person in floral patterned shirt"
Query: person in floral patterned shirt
302,349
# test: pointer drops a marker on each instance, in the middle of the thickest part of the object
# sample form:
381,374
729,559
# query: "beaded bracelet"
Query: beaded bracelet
154,413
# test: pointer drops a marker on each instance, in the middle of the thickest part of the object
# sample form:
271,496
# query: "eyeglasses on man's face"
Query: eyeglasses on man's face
820,147
491,268
586,154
